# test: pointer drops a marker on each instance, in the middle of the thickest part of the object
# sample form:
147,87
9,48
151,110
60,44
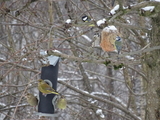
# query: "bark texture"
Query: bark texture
153,73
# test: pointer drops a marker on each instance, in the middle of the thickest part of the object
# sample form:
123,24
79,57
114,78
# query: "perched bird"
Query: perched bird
86,18
31,99
61,103
45,88
118,44
96,42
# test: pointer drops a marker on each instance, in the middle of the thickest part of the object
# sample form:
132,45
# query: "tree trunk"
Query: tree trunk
152,60
111,91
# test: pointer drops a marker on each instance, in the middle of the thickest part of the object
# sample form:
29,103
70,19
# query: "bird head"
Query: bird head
96,35
86,18
27,95
118,38
40,80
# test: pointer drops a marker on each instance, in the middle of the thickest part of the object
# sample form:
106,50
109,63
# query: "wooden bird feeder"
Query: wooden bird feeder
108,37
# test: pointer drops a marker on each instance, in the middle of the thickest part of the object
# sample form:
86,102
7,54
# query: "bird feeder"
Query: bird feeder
108,37
46,105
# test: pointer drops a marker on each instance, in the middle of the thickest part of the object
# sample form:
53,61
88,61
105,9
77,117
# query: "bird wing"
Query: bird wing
118,45
49,89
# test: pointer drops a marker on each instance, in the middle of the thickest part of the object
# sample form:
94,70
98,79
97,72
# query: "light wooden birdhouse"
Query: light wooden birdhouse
108,37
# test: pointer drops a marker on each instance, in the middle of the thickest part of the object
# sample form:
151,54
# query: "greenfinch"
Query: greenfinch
61,103
31,99
45,88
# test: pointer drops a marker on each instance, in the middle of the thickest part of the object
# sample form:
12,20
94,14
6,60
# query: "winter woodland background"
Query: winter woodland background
93,89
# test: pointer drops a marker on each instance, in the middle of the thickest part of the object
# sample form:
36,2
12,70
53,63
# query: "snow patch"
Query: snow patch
102,116
128,21
129,57
86,92
99,111
148,8
2,104
42,52
155,0
24,59
68,21
110,28
90,113
99,93
99,22
57,51
94,101
113,11
86,37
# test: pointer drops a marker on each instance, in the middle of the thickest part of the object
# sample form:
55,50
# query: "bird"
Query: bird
31,99
61,103
118,44
45,88
96,42
86,18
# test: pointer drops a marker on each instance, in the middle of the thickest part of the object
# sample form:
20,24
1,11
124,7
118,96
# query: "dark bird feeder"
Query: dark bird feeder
49,74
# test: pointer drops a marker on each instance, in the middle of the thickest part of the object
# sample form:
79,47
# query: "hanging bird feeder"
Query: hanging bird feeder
108,37
46,105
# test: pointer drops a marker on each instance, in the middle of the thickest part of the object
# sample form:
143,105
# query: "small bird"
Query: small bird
118,44
45,88
96,42
86,18
31,99
61,103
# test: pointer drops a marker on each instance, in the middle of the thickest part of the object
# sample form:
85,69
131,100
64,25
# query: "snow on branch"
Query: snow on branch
116,11
100,22
113,59
125,110
90,60
148,8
